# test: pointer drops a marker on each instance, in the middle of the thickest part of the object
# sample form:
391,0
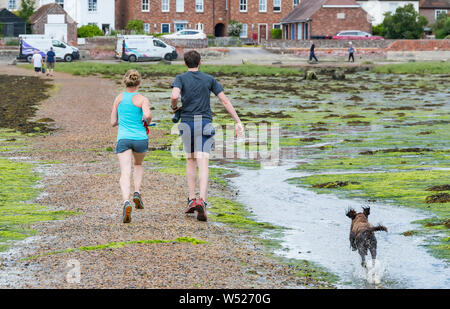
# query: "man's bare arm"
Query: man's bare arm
230,109
174,98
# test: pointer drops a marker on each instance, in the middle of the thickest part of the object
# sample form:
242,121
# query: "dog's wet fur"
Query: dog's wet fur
362,234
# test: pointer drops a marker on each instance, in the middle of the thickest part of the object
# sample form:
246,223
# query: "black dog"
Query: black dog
362,236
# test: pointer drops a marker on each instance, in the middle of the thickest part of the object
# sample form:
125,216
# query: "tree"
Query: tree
26,10
276,34
379,30
441,27
234,28
405,23
135,25
89,31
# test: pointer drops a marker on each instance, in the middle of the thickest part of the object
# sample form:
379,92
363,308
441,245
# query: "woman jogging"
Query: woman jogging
130,111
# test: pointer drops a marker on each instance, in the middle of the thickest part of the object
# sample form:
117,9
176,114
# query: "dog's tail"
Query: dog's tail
379,227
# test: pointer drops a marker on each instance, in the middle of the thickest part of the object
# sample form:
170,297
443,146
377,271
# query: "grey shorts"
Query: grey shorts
140,146
50,65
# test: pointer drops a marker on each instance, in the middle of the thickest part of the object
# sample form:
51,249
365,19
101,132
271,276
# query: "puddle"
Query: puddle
319,231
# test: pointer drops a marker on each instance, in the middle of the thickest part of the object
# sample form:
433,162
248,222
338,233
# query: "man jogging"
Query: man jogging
311,52
50,60
196,127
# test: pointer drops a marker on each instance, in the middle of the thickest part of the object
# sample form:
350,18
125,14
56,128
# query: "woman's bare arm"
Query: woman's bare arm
146,110
114,118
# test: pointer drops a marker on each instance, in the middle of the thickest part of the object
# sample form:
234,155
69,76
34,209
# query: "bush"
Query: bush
442,26
379,30
405,23
89,31
12,43
234,28
135,25
276,34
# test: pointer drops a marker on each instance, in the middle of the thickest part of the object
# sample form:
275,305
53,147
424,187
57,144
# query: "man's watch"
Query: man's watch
174,108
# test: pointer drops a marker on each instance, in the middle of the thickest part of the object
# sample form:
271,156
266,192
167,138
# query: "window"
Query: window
276,26
277,5
199,5
437,12
60,2
296,2
165,5
92,5
263,5
12,5
165,28
180,5
199,27
243,5
244,31
147,28
145,5
179,27
158,43
340,15
57,43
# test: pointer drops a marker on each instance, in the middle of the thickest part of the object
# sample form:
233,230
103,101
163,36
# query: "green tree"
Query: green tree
135,25
405,23
441,27
26,10
234,28
379,30
89,31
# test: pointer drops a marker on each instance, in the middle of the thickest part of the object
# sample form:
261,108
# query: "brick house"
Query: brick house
432,8
212,16
315,19
52,20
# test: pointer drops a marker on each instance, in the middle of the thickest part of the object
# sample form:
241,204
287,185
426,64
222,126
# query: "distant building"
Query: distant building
432,8
52,20
11,25
258,17
88,12
377,8
13,5
317,19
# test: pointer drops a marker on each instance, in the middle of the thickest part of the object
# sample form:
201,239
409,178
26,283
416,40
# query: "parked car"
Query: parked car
186,34
356,35
31,42
134,48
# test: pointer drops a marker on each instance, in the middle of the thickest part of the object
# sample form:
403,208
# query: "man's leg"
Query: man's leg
314,55
203,173
191,174
125,173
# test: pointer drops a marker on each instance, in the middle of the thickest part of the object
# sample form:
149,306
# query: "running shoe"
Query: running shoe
126,212
138,201
200,207
190,207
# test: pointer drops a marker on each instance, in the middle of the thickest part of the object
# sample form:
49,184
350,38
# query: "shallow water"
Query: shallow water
318,231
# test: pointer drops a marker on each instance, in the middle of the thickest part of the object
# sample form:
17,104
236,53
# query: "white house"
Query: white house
377,8
85,12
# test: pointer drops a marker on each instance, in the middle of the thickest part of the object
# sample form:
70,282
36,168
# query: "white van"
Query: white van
133,48
31,42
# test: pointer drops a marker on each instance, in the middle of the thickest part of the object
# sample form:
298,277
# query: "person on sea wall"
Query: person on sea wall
351,52
50,61
312,54
196,130
131,112
37,62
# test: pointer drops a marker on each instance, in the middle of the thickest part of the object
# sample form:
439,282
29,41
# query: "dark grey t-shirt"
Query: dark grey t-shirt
196,88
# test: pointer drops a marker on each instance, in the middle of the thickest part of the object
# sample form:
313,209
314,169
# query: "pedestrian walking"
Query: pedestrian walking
50,59
312,54
351,52
130,112
37,62
196,129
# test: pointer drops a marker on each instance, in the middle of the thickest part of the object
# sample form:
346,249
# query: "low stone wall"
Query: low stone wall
328,44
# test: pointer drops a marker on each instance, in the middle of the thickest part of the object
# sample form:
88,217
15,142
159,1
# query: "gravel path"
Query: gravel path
85,180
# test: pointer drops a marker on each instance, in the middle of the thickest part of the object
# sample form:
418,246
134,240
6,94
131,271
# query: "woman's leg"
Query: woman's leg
138,170
125,173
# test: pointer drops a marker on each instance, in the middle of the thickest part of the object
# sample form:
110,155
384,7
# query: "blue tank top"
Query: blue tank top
130,119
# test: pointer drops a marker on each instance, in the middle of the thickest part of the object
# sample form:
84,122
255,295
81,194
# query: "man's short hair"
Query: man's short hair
192,59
